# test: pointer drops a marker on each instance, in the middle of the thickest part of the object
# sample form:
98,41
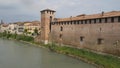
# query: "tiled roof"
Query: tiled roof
93,16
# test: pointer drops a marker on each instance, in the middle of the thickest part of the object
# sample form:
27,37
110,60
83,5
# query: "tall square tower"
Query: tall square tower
47,16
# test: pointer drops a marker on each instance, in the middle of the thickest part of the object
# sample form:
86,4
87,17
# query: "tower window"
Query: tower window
61,28
100,41
60,35
81,39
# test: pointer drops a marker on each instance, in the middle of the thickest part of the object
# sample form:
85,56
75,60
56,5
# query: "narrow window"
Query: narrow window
112,19
65,23
68,23
100,41
71,22
60,35
90,21
105,20
85,21
94,20
81,39
81,22
100,21
47,11
77,22
119,19
50,23
61,28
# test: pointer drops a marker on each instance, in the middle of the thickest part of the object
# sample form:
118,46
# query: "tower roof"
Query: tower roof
48,10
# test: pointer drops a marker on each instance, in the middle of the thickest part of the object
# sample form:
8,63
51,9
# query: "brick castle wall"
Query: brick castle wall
102,37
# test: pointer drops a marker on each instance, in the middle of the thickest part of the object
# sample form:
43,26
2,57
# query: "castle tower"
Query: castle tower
47,16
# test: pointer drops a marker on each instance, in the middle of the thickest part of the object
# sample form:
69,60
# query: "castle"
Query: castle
97,32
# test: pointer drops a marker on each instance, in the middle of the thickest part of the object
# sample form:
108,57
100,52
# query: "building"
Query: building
97,32
4,27
20,27
30,27
12,28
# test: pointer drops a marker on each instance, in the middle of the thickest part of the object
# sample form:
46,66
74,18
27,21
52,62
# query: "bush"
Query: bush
17,37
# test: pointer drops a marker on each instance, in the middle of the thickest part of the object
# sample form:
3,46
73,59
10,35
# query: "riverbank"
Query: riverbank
101,61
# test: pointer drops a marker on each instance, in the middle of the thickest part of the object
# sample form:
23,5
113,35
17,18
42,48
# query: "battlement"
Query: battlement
108,17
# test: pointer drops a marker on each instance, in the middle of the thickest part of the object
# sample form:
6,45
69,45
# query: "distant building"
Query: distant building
12,28
31,26
4,27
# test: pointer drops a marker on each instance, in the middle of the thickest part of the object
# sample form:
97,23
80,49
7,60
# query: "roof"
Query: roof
33,23
48,10
93,16
5,25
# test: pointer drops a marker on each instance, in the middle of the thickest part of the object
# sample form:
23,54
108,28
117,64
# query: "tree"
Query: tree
25,31
36,31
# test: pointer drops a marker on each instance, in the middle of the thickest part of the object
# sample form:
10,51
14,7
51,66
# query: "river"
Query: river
14,54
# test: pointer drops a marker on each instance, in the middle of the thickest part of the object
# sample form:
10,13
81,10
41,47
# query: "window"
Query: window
94,20
112,19
100,21
60,35
100,41
77,22
71,22
90,21
85,21
61,28
119,19
74,22
81,22
105,20
62,23
81,39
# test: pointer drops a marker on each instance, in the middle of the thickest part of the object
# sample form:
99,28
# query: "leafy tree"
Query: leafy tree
25,31
36,31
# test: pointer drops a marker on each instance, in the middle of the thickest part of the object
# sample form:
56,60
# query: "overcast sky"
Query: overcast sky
29,10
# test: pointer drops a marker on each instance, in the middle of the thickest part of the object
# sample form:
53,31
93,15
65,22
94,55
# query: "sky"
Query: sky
29,10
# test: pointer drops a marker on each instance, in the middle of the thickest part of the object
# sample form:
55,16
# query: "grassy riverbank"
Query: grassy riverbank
105,61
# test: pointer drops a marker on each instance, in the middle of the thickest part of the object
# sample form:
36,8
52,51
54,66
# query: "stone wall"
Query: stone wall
102,37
